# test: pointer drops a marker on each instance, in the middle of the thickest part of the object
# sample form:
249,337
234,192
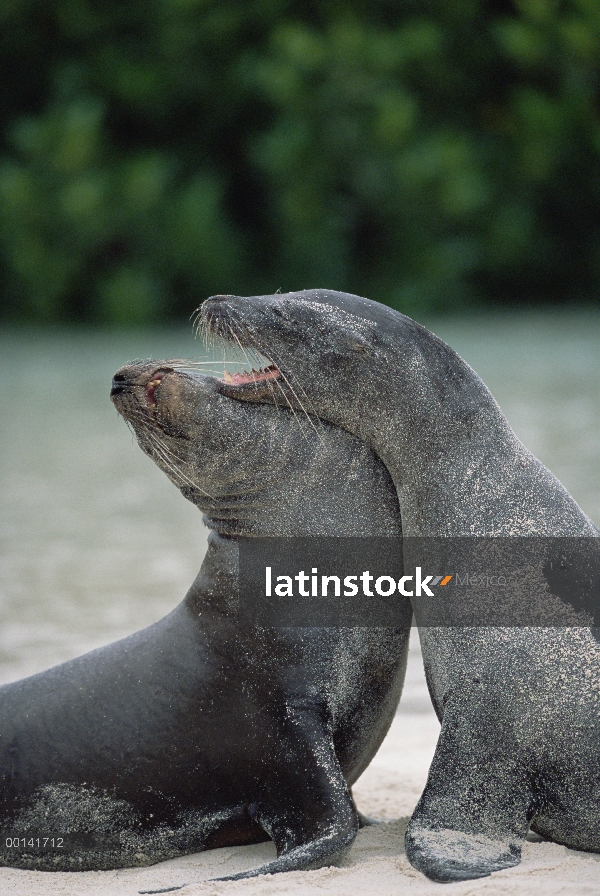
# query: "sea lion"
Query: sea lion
200,731
520,707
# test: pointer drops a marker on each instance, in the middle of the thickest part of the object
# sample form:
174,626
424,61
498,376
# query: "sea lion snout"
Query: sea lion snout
131,375
139,376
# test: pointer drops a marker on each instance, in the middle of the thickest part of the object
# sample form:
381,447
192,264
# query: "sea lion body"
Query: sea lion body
200,730
520,707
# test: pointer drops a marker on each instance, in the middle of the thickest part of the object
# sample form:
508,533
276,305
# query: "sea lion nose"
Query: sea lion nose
119,384
212,307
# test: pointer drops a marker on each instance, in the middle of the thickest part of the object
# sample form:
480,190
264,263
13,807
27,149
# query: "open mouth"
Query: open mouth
254,377
152,386
252,384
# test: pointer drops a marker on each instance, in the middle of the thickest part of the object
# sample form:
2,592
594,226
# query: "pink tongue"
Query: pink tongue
240,379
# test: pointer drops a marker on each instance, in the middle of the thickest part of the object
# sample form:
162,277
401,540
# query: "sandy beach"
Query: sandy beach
376,864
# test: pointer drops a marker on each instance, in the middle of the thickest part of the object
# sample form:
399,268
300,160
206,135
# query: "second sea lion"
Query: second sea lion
519,706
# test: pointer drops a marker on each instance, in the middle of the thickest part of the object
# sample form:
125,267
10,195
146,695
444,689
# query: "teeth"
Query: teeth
227,377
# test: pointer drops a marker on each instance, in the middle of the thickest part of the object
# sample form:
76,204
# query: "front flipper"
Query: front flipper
476,806
446,855
307,811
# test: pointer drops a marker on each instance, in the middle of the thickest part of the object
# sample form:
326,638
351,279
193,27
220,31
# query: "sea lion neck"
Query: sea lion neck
317,490
434,424
214,590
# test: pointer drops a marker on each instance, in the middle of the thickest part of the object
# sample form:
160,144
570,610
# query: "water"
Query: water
95,542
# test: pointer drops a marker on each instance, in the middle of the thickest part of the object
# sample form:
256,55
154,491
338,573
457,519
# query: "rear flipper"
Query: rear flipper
308,811
476,807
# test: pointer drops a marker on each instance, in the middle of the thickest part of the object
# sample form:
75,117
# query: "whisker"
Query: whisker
308,417
209,369
306,397
234,349
249,335
190,362
195,318
290,406
174,465
151,437
276,360
251,367
294,393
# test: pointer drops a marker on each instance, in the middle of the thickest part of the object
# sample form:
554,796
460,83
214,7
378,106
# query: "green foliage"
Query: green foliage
427,154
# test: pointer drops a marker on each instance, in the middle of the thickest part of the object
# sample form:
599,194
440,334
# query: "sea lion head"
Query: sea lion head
253,468
328,353
301,333
349,361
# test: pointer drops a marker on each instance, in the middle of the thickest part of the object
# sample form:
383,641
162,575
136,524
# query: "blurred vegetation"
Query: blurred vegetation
428,154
